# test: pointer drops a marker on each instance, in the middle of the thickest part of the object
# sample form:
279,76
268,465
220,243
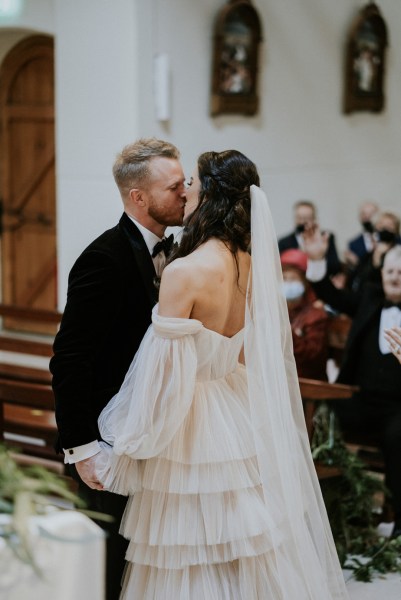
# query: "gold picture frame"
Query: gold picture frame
237,35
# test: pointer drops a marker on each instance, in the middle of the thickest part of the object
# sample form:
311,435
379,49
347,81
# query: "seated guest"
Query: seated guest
305,216
385,235
363,243
368,361
309,321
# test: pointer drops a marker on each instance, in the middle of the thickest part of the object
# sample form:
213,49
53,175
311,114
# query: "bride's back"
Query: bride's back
220,288
212,286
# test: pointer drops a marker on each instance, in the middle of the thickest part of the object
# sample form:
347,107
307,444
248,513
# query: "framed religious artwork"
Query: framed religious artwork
365,62
237,35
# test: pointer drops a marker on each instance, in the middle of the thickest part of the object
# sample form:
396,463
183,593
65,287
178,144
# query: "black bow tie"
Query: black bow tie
390,304
163,246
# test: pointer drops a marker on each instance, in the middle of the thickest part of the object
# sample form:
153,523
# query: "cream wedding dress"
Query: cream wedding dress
224,502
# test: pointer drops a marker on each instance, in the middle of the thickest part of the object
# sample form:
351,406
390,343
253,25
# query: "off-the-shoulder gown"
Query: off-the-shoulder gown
199,526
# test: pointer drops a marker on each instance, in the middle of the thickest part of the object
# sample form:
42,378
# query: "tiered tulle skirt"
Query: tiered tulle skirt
199,528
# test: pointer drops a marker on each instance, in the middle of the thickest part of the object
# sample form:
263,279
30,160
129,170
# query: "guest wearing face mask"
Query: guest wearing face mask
385,235
309,321
362,243
305,216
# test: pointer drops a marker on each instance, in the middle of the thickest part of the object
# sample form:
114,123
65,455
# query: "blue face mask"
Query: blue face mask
293,289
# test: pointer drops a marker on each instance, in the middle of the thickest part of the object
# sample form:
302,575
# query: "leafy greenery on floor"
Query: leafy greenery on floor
26,491
349,504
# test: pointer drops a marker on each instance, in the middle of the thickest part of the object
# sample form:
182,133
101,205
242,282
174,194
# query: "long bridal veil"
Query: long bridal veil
304,550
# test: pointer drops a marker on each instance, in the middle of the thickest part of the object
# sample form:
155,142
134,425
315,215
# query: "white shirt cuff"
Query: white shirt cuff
316,269
73,455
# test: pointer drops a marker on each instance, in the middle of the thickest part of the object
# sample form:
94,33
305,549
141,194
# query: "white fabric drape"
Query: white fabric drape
69,552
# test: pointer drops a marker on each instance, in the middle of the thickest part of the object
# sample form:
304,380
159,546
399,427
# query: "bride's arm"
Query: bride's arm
141,420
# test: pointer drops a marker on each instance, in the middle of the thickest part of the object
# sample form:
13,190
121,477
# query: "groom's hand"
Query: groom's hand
86,470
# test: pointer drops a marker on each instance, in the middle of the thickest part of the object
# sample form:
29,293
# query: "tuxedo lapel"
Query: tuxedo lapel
362,320
141,255
371,304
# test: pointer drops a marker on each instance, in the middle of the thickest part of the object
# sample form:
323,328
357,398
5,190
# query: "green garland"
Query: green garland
349,503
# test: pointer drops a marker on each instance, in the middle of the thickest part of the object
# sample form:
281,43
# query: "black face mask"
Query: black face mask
367,226
300,228
386,236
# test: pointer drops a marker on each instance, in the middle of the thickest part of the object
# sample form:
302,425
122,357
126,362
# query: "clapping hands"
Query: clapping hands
393,336
316,242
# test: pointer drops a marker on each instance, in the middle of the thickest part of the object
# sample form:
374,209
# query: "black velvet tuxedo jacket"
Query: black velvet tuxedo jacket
363,307
333,262
110,297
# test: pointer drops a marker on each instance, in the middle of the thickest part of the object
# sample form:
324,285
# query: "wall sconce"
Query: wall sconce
161,74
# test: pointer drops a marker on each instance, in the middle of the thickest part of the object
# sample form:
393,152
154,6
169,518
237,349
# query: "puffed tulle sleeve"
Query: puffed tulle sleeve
153,401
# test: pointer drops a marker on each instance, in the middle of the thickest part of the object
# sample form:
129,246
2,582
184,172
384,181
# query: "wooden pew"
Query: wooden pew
366,446
27,409
337,335
314,391
27,421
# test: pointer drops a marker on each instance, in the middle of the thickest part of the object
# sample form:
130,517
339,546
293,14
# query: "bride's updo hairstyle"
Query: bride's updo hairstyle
224,208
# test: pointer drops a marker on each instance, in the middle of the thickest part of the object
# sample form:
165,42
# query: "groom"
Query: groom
111,294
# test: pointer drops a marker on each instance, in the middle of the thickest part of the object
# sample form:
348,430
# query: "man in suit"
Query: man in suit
111,293
363,243
304,216
368,361
385,235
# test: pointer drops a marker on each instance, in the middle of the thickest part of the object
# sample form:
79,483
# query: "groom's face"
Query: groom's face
164,191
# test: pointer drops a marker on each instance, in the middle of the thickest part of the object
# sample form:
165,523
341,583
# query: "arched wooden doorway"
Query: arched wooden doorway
27,183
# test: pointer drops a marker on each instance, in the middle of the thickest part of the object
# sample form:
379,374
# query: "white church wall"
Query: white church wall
32,15
302,143
96,78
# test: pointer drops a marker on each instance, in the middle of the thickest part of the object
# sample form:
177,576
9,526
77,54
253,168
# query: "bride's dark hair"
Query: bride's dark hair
224,208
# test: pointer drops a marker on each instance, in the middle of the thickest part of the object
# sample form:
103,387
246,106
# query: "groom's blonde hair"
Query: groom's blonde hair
131,167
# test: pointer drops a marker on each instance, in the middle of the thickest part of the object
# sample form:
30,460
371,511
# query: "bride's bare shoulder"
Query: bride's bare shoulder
207,257
177,291
179,269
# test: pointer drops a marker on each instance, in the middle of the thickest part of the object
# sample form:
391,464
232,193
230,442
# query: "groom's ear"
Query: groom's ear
136,197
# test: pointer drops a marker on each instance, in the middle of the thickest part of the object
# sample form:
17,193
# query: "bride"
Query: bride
206,434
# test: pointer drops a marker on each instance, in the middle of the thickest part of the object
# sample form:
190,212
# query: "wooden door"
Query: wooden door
27,184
